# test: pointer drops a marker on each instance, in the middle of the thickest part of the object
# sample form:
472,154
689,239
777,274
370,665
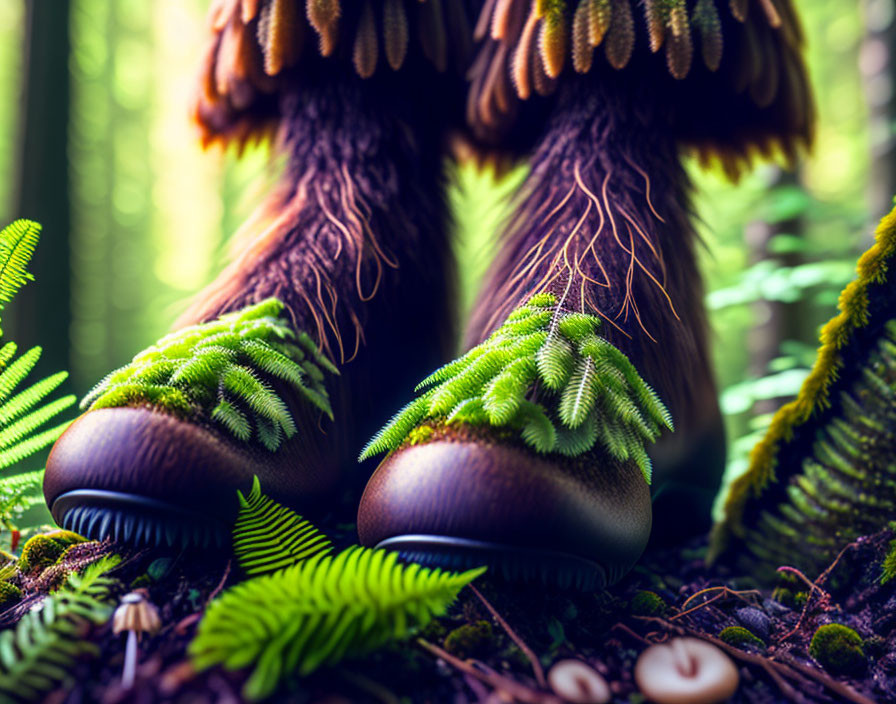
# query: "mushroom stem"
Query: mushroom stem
130,661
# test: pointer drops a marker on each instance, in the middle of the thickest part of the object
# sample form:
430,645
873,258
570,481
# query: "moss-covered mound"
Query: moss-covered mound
822,475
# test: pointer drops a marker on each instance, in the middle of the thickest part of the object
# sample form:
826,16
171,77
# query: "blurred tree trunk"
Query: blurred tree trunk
879,75
775,321
40,313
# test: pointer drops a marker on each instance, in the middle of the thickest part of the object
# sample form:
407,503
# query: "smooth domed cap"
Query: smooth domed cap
686,671
148,453
507,495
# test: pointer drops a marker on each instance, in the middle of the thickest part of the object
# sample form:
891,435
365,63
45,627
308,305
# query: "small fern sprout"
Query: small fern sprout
546,374
303,607
39,654
222,371
268,537
17,243
24,414
319,612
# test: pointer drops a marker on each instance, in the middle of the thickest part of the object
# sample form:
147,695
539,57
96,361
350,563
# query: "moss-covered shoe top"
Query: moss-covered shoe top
528,454
169,438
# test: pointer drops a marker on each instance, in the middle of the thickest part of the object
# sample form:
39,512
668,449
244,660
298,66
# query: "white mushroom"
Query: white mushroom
136,615
686,671
575,682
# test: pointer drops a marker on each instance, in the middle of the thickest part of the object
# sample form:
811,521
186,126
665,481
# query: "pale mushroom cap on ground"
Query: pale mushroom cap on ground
576,682
686,671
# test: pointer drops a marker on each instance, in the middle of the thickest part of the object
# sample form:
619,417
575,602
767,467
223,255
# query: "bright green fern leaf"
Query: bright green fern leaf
546,374
22,418
221,370
18,493
17,243
39,654
888,567
268,537
23,414
319,612
20,422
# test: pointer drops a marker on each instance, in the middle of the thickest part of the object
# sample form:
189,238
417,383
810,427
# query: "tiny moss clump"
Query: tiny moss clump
838,649
645,603
469,640
45,549
420,435
9,593
738,636
784,596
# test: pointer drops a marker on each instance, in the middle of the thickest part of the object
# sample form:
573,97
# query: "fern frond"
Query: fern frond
319,612
579,395
397,429
17,243
220,370
470,411
18,493
24,427
268,537
579,440
39,654
13,375
546,374
505,393
21,417
536,428
232,418
888,566
7,352
555,362
30,397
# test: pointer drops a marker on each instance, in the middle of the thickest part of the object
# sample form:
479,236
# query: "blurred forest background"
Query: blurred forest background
95,144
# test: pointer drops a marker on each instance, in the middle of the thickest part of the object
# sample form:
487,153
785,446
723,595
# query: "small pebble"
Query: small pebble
754,620
576,682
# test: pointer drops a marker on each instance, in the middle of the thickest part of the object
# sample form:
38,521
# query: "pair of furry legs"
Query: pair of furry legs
355,243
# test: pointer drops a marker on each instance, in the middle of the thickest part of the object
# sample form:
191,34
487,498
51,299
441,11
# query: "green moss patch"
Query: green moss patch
221,371
548,376
815,473
738,636
838,649
646,603
469,640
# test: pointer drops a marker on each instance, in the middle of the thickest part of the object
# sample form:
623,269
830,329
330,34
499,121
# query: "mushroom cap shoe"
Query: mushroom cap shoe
461,502
527,454
170,438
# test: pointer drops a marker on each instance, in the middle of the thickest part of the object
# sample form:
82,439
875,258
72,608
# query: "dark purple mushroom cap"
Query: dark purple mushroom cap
509,496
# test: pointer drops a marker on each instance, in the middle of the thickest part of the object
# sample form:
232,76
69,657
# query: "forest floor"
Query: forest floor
498,640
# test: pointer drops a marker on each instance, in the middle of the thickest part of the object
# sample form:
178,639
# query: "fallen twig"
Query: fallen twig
493,679
782,664
376,690
217,590
527,651
841,688
723,592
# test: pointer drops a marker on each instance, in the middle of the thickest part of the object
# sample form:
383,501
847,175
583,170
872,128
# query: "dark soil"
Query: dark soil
469,656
